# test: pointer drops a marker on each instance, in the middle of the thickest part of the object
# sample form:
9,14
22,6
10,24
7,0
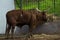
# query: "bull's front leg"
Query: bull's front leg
30,34
32,25
31,28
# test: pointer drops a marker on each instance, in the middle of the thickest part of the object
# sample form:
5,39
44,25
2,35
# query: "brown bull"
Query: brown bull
24,17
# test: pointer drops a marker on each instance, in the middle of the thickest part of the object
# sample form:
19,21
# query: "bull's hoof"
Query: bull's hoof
29,36
6,37
11,37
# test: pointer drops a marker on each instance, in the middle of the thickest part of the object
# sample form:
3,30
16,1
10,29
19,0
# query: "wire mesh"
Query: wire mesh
40,4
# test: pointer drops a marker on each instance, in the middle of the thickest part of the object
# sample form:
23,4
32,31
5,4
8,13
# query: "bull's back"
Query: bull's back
19,16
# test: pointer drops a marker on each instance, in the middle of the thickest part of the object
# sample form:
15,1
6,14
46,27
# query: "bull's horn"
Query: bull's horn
47,9
38,9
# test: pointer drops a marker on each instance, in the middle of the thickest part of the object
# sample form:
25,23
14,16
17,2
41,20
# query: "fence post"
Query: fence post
38,4
54,6
20,4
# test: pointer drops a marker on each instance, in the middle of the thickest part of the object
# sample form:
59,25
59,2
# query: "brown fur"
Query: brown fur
19,18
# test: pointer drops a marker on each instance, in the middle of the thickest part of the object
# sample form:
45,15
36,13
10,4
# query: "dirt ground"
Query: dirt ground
35,37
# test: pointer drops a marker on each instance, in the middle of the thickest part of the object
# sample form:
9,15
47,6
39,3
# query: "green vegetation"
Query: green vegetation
43,5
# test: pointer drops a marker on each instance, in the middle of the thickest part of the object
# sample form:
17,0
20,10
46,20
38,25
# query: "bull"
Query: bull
19,18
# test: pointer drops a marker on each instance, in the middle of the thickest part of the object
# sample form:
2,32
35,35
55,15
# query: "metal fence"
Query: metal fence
40,4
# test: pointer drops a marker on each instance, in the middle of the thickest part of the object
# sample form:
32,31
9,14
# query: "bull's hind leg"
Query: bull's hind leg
12,31
7,31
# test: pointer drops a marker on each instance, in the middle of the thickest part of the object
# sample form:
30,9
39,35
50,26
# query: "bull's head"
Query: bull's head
41,16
